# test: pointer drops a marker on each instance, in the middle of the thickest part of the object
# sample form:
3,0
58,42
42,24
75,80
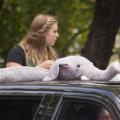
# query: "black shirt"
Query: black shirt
17,55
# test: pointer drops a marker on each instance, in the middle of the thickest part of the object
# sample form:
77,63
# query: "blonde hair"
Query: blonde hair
34,44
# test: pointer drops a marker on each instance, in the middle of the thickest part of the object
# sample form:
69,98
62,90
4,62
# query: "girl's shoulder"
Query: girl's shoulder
16,54
17,48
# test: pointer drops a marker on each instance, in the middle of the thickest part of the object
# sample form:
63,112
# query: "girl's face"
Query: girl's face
52,35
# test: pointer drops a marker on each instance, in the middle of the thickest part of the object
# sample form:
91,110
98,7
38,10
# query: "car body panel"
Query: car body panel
101,92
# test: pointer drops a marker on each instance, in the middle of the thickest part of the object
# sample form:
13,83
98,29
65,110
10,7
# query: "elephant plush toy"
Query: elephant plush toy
75,67
67,68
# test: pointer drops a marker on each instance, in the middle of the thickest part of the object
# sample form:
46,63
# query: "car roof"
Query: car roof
111,86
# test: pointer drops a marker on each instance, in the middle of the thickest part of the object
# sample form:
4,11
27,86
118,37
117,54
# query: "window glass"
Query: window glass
72,110
18,108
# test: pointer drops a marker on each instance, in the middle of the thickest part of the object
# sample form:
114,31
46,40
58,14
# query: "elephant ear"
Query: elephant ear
53,73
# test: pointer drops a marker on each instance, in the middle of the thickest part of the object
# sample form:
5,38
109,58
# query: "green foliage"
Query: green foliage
74,18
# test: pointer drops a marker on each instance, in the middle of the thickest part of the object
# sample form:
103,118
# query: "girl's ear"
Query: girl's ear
53,73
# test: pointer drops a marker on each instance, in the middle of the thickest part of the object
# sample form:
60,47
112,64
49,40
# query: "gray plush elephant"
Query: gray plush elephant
67,68
75,67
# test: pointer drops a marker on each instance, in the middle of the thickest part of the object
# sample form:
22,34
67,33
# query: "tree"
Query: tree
104,28
1,3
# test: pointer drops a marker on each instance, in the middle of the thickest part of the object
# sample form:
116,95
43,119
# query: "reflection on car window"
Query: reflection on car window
104,114
46,108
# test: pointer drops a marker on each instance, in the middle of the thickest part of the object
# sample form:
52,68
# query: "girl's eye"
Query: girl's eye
78,65
55,31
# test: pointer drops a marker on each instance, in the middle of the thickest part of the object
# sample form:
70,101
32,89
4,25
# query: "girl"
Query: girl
36,49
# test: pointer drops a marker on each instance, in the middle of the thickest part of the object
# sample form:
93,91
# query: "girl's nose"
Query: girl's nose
57,34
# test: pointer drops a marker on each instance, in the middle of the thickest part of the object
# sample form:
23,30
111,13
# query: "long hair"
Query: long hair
34,44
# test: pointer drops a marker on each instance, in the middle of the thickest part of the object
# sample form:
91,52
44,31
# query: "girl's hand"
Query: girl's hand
46,64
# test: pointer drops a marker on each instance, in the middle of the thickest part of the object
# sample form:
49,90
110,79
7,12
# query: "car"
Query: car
59,100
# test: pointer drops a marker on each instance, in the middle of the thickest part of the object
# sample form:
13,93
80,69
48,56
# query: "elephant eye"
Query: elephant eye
78,65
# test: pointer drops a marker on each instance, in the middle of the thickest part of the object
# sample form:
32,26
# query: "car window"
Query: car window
72,110
18,107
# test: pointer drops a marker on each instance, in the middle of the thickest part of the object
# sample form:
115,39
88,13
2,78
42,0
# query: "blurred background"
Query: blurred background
87,27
